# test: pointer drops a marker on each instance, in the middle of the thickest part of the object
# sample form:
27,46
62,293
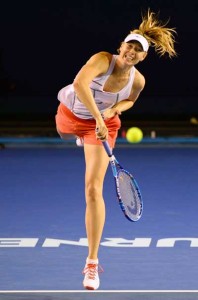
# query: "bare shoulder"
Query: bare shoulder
139,81
100,57
96,65
99,62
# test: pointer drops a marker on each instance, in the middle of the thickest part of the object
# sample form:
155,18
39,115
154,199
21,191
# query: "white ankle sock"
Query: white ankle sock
91,261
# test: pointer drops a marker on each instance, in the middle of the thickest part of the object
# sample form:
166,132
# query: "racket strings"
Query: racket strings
129,195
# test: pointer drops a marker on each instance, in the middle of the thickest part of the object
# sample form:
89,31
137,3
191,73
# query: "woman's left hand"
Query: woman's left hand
110,113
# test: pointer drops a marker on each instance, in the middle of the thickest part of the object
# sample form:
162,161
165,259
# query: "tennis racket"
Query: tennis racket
127,190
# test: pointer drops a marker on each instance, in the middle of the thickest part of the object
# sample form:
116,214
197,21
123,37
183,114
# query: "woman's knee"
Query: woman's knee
93,192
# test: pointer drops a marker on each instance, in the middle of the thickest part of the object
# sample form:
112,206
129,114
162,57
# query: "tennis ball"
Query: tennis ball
134,135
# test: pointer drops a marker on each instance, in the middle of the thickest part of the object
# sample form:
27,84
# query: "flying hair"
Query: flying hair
158,35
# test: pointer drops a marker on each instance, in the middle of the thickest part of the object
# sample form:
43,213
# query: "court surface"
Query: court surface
43,244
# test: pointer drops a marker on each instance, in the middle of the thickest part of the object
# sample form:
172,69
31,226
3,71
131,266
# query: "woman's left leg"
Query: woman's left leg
96,165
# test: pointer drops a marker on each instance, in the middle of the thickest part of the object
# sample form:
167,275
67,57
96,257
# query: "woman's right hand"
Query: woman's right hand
101,130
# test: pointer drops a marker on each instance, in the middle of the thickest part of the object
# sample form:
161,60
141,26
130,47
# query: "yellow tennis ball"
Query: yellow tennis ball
134,135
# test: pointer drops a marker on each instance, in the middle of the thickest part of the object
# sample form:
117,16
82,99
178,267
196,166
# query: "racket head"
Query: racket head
129,195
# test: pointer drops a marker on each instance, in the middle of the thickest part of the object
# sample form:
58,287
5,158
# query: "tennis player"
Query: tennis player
107,85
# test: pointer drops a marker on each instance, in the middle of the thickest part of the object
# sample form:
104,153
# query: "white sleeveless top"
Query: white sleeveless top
103,99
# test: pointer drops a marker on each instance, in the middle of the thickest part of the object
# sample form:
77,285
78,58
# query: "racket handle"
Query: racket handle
107,148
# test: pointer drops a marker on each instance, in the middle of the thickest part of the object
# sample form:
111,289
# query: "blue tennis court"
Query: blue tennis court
43,243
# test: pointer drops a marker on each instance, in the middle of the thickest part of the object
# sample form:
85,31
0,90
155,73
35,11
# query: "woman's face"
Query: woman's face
132,52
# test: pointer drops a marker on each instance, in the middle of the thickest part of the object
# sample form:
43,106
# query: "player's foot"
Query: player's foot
79,141
91,280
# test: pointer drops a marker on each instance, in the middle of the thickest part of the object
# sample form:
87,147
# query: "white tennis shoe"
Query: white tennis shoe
79,141
91,280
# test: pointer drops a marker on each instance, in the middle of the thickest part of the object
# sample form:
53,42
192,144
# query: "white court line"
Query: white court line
98,291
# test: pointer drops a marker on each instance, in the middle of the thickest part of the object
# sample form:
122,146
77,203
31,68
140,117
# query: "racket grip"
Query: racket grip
107,148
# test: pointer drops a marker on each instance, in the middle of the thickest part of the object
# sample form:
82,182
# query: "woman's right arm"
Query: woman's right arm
97,65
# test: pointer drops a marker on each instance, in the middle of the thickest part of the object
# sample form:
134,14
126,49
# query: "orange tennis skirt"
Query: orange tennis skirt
67,122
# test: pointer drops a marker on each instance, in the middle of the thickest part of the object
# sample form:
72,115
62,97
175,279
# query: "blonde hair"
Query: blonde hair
157,34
